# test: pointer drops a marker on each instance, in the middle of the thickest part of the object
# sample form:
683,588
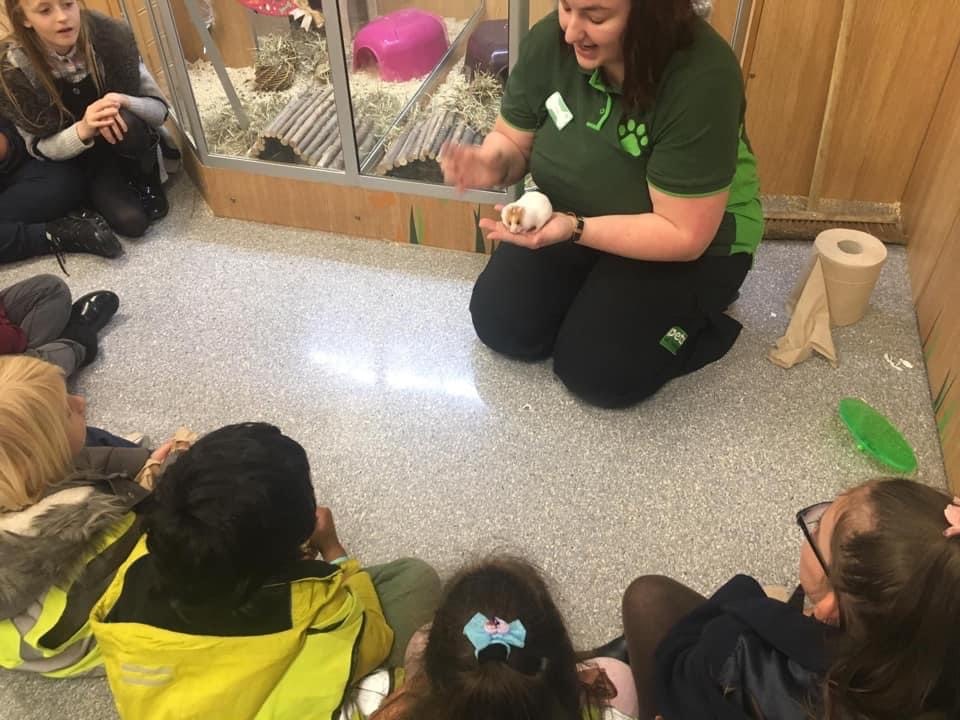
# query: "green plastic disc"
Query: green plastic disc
876,436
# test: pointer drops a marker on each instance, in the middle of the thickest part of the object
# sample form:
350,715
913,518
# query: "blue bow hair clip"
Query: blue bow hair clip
482,632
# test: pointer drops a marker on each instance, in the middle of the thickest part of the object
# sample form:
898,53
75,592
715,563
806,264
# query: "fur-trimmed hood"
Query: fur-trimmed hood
117,57
45,543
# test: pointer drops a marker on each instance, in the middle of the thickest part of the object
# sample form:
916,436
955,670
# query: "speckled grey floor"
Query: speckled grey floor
427,444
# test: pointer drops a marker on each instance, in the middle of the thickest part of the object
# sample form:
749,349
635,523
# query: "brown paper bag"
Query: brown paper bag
809,328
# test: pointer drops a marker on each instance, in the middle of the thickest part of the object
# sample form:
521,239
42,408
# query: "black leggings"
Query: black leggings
652,605
110,170
618,329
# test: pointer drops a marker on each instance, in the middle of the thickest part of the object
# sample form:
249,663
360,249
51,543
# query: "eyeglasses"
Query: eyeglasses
809,521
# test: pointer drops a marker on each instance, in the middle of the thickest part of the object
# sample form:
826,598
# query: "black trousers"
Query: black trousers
111,168
33,194
618,329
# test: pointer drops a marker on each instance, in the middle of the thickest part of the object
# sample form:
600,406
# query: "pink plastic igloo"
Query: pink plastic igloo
404,44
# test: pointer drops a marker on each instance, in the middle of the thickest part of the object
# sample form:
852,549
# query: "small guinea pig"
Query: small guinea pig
528,214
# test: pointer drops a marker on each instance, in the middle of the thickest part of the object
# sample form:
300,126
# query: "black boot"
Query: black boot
145,179
84,232
616,649
95,309
167,148
84,335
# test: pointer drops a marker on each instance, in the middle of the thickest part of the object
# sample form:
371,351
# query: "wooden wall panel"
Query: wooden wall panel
724,11
948,421
787,90
389,216
931,212
538,8
932,254
147,41
899,55
930,205
186,33
450,8
233,33
107,7
937,308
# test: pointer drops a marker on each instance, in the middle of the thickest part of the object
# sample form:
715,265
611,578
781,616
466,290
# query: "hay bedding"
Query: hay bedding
298,64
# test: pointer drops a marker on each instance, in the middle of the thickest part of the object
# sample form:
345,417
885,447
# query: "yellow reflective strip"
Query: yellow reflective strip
145,681
9,645
52,607
160,670
54,602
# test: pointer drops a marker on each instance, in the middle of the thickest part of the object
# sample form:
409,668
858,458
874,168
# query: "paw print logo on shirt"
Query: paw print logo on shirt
633,137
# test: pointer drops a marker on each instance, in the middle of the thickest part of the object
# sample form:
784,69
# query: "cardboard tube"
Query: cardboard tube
851,261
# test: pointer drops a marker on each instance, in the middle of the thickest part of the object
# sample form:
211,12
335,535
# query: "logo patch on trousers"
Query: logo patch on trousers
674,340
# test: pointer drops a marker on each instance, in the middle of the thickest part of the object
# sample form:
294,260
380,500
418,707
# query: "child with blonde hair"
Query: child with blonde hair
67,520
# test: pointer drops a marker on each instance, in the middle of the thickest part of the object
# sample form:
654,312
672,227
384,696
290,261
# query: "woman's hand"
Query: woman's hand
471,166
559,228
99,114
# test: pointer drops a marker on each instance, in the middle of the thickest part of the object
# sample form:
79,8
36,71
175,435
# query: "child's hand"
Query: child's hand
160,454
324,538
114,133
99,114
119,99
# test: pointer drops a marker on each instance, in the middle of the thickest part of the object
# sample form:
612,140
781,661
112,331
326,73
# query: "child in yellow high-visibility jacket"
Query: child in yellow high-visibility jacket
222,612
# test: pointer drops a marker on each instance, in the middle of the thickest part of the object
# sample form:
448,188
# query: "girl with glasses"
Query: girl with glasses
876,635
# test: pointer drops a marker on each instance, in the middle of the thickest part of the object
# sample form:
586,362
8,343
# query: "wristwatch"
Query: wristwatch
578,228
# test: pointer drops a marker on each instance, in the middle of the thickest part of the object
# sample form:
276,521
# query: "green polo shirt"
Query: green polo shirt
588,157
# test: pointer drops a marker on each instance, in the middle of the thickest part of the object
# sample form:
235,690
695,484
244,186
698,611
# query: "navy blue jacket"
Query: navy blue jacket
17,152
742,656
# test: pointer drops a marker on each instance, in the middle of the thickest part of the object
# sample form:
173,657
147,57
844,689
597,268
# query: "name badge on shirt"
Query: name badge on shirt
558,110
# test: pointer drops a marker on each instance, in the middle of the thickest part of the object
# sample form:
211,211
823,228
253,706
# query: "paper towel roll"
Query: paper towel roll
851,261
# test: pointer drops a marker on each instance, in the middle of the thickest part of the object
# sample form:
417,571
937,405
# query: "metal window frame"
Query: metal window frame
741,26
185,108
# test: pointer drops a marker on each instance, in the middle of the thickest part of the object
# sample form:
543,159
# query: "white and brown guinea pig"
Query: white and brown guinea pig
528,214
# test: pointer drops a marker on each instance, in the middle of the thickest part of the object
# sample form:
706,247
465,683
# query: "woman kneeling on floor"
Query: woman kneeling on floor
74,85
629,116
67,520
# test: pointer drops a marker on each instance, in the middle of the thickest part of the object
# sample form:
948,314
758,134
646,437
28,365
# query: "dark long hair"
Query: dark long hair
656,29
898,580
536,682
230,513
